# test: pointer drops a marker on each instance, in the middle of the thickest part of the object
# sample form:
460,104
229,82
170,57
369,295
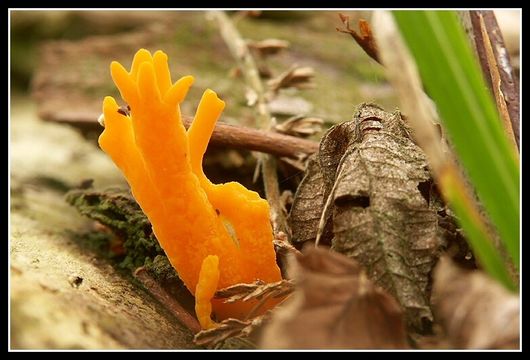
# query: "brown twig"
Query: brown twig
241,53
496,82
167,300
232,136
507,84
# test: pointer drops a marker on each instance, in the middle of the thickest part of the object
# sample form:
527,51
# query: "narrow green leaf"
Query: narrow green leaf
453,79
476,233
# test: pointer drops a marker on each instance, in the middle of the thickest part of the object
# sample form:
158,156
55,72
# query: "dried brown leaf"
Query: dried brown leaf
283,248
475,311
259,291
365,39
230,328
237,290
334,306
297,164
268,47
300,126
381,213
297,77
307,205
373,201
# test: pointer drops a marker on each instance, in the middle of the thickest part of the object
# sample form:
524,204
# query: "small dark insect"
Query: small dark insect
217,211
75,281
125,110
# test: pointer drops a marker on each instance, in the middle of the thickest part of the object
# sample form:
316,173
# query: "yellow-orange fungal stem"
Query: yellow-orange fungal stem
205,290
194,220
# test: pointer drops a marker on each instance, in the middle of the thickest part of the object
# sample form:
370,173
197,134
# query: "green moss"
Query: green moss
96,241
120,212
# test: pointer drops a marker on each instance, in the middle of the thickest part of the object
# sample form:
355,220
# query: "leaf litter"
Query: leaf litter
367,194
475,311
334,306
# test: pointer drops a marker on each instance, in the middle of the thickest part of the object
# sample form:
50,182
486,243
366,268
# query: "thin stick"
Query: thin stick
167,300
244,59
232,136
478,24
496,82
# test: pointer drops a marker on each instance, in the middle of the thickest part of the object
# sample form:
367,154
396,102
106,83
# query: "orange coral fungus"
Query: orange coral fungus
215,235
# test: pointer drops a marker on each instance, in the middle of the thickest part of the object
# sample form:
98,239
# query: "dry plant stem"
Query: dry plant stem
167,300
404,76
496,85
508,84
232,136
240,51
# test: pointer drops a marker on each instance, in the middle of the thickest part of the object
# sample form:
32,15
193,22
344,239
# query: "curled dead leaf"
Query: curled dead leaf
283,248
297,77
364,38
475,311
229,329
258,290
300,126
368,194
334,306
268,47
307,205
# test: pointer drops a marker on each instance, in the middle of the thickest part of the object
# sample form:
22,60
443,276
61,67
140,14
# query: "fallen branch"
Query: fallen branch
232,136
167,300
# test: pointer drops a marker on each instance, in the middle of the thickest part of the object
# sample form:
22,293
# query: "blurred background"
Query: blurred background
59,76
60,71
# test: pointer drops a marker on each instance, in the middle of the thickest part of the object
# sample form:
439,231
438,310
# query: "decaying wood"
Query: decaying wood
232,136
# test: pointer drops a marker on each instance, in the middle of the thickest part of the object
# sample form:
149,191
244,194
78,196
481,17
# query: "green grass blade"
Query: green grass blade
451,75
454,191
